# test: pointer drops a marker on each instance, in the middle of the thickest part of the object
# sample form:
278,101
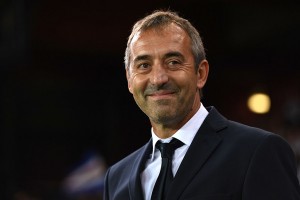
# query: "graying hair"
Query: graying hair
160,19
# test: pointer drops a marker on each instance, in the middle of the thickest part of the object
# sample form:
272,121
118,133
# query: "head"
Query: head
159,20
166,69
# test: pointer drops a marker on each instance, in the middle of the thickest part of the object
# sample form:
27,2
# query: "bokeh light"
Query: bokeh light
259,103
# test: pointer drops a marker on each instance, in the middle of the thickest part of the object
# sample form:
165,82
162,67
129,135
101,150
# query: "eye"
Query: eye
173,63
143,66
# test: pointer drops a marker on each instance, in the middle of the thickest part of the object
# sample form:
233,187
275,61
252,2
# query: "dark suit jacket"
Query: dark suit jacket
226,160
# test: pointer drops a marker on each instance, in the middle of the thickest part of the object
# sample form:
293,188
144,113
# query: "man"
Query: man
166,70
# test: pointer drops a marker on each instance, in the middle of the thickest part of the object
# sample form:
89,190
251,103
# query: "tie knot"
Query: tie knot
167,149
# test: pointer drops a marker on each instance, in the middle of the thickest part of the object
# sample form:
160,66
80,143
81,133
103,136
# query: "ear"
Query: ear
128,80
202,73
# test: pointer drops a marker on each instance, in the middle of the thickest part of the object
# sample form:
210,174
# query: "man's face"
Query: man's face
162,75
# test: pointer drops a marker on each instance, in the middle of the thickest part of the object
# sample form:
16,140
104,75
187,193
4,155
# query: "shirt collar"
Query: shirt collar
187,132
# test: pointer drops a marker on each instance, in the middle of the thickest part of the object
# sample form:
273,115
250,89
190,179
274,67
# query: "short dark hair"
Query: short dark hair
160,19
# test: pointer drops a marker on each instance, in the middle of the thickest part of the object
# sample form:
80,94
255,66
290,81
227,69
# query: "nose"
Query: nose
159,75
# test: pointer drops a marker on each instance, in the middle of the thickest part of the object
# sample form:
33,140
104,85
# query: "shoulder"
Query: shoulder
238,130
244,136
251,133
249,136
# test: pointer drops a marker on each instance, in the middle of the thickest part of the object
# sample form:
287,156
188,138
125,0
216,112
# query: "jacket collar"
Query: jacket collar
205,142
135,186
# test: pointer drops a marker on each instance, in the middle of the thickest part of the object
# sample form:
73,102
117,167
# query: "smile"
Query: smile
161,95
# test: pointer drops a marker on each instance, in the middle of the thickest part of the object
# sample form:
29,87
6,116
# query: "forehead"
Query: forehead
159,38
163,30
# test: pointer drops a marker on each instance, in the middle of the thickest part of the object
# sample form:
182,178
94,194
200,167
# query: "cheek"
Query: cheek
136,83
128,78
129,84
189,79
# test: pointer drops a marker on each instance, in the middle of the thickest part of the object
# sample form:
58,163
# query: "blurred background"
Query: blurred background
66,113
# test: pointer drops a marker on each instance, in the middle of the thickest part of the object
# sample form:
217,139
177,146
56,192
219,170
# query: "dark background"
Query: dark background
64,91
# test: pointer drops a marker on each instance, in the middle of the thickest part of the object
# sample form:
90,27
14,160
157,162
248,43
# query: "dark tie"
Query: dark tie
165,177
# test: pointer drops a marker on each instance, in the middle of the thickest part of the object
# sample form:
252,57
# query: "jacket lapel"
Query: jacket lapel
203,145
135,187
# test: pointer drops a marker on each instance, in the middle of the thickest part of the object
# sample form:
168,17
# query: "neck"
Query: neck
166,130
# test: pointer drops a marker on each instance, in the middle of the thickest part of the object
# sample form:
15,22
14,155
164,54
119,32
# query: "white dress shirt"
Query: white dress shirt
186,135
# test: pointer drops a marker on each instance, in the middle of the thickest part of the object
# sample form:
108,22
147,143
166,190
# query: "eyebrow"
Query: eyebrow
141,57
173,54
167,55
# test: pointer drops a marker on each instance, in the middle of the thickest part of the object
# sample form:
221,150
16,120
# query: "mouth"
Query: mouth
162,94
